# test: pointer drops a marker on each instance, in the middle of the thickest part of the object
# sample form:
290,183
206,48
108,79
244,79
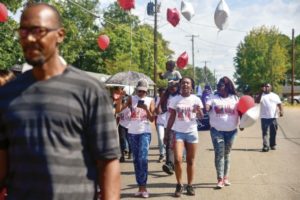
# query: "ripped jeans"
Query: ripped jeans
222,142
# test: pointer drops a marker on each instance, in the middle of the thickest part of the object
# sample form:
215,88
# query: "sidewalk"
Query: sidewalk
254,175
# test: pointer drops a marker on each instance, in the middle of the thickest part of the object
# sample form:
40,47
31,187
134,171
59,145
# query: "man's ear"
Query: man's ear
61,35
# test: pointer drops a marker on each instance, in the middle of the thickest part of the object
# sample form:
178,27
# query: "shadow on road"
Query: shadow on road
236,149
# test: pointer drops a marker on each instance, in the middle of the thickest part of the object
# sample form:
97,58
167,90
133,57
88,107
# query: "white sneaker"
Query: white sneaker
145,194
220,184
226,181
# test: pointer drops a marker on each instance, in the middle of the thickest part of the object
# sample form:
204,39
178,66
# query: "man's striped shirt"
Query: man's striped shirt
54,131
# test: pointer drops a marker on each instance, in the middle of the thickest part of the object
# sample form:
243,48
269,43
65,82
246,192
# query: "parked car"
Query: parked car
296,99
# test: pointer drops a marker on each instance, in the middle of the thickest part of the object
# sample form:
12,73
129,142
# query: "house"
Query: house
286,90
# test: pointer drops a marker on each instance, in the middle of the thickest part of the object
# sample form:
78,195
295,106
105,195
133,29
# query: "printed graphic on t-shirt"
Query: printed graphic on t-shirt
138,114
124,116
184,113
224,109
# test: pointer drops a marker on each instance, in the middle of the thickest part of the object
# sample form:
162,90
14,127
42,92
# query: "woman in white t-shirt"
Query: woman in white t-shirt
184,111
139,133
224,119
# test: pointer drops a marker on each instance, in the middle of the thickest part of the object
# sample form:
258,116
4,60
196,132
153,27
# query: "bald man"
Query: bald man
58,136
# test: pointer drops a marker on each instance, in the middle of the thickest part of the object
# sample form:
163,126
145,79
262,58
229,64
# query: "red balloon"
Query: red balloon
245,103
173,16
127,4
103,41
3,13
182,60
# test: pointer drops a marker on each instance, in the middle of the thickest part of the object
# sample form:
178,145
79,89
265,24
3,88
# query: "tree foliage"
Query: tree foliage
203,75
131,43
131,46
262,57
10,50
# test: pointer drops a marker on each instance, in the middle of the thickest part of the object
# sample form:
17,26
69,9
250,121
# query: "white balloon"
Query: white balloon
250,117
187,10
222,15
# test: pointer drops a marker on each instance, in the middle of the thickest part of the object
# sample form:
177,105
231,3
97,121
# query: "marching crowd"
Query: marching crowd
58,132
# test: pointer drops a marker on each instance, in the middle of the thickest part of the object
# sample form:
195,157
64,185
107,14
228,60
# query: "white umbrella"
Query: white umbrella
128,78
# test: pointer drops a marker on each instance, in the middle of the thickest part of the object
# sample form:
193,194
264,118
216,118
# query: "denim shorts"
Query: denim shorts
191,137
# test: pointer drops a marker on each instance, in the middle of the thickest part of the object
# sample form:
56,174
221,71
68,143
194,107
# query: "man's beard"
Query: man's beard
36,62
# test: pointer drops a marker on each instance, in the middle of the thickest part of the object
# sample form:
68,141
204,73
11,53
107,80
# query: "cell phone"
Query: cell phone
140,102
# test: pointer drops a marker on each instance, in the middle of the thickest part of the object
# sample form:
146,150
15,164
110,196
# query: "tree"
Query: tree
10,50
261,57
80,45
203,75
131,46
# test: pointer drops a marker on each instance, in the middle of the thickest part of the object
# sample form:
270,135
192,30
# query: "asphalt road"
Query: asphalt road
255,175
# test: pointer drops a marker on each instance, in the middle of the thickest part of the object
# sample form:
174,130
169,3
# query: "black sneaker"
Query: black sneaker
168,169
129,155
179,190
265,149
190,190
122,159
161,158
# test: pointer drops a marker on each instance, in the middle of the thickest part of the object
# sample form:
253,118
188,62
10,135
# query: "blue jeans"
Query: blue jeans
140,144
191,137
222,142
272,124
160,137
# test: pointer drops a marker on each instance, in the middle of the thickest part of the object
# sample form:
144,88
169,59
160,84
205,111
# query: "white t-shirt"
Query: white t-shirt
124,117
139,122
161,118
223,115
172,76
268,105
168,109
185,120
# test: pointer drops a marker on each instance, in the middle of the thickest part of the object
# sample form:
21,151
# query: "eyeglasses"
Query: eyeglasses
37,32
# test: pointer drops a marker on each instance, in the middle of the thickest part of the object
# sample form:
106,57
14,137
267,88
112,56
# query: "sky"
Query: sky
218,48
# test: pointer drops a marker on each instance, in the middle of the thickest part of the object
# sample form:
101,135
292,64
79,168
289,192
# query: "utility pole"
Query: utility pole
155,46
193,55
293,65
205,71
